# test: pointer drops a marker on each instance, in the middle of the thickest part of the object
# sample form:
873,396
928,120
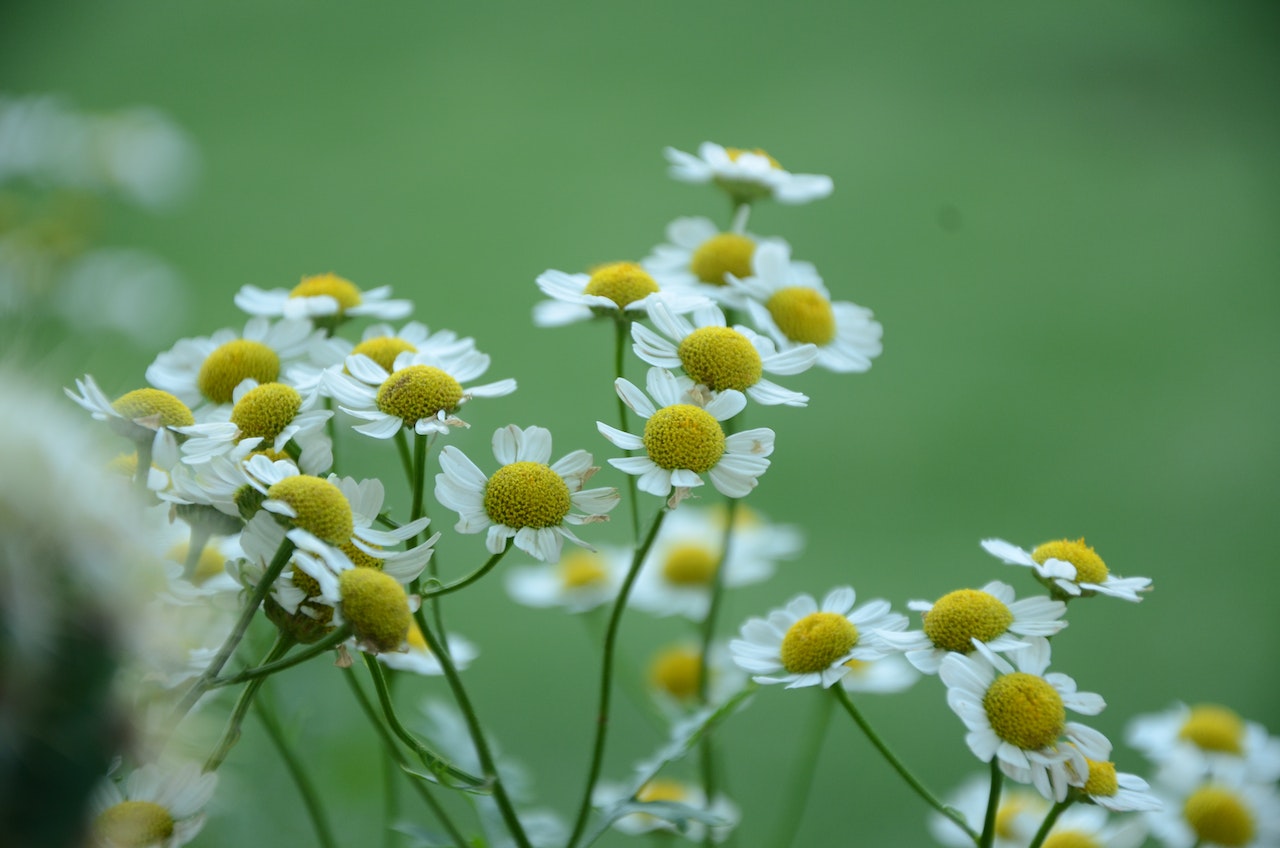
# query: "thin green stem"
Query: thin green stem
741,214
606,676
301,780
406,461
199,539
801,778
330,641
464,582
1049,819
707,761
622,333
144,465
231,734
993,806
929,798
419,477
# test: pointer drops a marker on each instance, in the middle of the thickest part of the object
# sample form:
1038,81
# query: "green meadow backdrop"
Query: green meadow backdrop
1065,215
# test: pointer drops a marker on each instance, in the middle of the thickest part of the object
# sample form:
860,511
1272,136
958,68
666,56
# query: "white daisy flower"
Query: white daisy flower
675,675
661,790
746,175
526,499
152,807
323,298
419,659
1190,743
1017,817
719,357
803,644
795,309
1117,791
677,575
1019,716
618,289
208,369
986,619
422,391
136,415
1089,827
683,440
582,580
1071,567
380,342
267,416
884,676
1221,813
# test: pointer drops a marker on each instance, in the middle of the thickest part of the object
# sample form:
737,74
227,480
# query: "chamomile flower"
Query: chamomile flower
677,575
206,370
720,357
1117,791
1071,567
323,298
422,391
152,807
1089,827
666,791
796,309
525,500
1019,716
683,440
267,416
1221,813
420,660
986,619
136,415
582,580
617,289
746,175
1206,739
380,342
1017,817
804,644
675,676
884,676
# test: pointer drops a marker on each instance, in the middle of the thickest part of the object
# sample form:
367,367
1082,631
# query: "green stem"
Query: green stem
929,798
330,641
993,806
741,214
606,676
1047,824
231,735
144,465
406,461
419,477
622,333
464,582
196,544
716,590
310,798
801,780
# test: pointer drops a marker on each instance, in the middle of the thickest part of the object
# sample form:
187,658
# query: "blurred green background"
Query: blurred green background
1065,215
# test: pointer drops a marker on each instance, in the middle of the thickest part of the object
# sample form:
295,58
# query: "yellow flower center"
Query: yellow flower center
304,582
1071,839
726,253
803,315
234,362
1102,779
816,641
134,824
661,789
416,639
377,608
1007,817
684,436
720,358
678,672
966,614
581,568
384,350
526,494
144,403
1089,566
344,291
266,410
359,558
419,391
322,509
736,152
1214,728
690,564
210,564
1024,710
1218,816
622,282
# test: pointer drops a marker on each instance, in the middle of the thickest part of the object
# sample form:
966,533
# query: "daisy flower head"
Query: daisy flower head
422,391
206,370
1019,716
264,416
1192,742
675,675
668,797
526,499
1220,813
617,290
326,299
135,415
720,357
1070,568
420,660
746,175
1017,818
986,620
380,342
804,644
1089,827
683,439
156,807
1117,791
796,309
582,580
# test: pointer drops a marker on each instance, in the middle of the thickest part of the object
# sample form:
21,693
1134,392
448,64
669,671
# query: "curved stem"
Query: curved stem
310,798
464,582
231,735
330,641
622,329
1047,824
993,806
929,798
801,779
606,676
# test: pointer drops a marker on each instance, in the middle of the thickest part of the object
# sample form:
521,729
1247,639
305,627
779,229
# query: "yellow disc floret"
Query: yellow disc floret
154,404
1102,779
581,568
1218,816
622,282
526,494
720,358
726,253
963,615
803,315
234,362
678,672
210,564
736,152
661,789
322,510
1071,839
264,411
377,608
816,641
1089,566
418,391
690,565
384,350
1214,728
415,638
1024,710
358,557
134,824
344,291
1007,815
684,436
